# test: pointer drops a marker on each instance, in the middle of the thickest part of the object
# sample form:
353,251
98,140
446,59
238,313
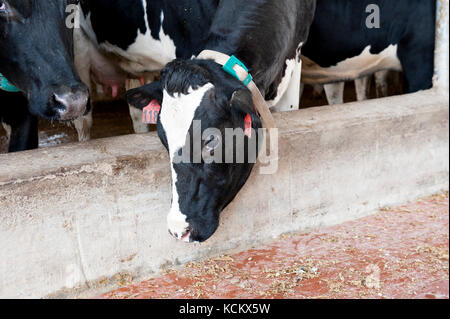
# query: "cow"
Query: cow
38,72
266,36
128,43
353,39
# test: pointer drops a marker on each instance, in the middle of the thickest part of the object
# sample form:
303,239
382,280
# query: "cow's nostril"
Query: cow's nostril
71,104
58,104
186,237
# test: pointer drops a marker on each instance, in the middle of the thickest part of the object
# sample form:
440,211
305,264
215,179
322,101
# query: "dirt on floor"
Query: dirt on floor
400,252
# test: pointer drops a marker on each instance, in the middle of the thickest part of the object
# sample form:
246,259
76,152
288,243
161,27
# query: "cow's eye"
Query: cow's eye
212,142
211,145
3,6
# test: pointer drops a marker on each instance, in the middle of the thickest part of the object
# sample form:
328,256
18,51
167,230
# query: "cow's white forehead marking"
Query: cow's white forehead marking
178,113
176,117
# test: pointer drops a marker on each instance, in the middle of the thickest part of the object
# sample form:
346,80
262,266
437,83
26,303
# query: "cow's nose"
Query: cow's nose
184,236
178,225
72,102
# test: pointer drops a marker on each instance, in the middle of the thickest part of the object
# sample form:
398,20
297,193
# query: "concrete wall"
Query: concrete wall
73,219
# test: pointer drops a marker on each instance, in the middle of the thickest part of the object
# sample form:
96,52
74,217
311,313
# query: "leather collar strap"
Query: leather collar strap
236,68
5,85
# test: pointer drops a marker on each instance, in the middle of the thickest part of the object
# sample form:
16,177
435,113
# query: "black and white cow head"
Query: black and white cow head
208,168
36,55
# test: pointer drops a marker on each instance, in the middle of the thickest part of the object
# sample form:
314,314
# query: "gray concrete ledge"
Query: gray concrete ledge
74,217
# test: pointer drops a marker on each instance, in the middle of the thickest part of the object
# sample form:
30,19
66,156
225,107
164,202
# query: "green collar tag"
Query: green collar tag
229,68
5,85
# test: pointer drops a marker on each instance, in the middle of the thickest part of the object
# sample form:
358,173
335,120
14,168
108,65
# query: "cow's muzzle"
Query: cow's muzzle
185,236
70,102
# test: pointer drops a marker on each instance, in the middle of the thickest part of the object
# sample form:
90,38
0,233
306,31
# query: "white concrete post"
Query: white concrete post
441,80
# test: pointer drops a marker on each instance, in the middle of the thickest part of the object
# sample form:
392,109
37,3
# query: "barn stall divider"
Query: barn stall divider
77,219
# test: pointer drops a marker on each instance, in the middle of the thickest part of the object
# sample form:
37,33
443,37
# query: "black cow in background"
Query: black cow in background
348,42
36,56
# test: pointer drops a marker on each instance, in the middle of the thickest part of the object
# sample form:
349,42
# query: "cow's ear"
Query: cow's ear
244,112
241,100
142,96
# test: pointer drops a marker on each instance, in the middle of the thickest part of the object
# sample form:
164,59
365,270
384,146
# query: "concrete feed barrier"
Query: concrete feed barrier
76,217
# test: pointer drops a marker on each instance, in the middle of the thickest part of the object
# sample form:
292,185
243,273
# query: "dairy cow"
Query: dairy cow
266,36
353,39
37,74
122,43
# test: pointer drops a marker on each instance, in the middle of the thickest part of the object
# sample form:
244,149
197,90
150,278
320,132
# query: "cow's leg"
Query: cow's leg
8,130
83,126
21,127
417,63
82,47
136,114
291,97
24,133
381,78
317,91
335,92
302,89
362,87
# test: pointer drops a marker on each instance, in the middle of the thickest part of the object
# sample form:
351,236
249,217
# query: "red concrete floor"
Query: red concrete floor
397,253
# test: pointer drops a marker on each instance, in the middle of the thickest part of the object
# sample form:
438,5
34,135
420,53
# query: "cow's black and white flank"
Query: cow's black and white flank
36,56
151,32
266,35
345,47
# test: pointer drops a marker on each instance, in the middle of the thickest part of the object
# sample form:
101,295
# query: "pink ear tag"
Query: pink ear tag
248,126
150,113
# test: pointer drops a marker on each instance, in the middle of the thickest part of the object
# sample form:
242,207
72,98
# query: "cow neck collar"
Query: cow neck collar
5,85
236,68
